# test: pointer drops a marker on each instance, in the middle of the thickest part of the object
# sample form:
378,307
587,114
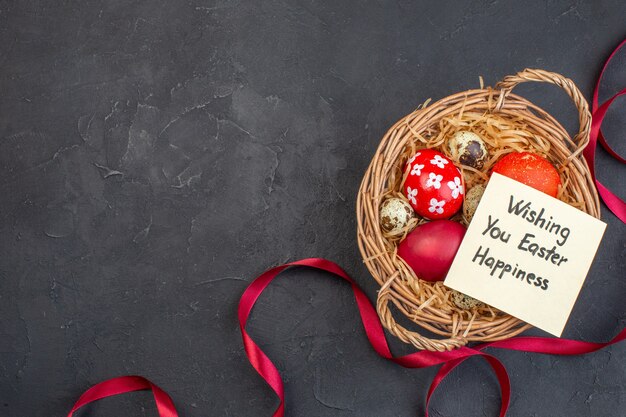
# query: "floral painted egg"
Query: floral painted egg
434,186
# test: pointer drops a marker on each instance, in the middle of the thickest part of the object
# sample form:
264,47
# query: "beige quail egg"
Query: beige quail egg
469,149
472,198
464,301
395,214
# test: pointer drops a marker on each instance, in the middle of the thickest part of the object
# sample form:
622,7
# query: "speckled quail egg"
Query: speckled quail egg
464,301
469,149
472,198
395,214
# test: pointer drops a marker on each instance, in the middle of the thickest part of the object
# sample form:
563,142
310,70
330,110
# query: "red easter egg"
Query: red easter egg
430,249
530,169
434,186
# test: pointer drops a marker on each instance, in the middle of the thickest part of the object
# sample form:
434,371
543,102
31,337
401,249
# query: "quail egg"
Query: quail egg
395,214
472,198
469,149
464,301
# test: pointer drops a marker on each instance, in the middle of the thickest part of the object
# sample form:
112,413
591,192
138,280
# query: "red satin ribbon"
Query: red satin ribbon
373,330
122,385
613,202
376,336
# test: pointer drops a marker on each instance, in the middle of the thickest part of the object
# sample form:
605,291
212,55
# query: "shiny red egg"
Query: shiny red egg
430,249
530,169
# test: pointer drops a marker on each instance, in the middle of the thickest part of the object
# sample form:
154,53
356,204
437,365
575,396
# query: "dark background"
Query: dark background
157,156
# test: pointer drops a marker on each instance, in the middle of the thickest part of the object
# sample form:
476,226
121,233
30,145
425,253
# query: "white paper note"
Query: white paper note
526,254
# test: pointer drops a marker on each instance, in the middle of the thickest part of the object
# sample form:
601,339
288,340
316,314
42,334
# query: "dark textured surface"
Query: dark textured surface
156,156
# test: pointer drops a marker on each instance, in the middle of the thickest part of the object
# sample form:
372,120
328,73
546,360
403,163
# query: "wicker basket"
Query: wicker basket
429,304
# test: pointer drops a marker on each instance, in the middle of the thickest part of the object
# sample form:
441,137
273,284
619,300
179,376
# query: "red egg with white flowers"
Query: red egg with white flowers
434,185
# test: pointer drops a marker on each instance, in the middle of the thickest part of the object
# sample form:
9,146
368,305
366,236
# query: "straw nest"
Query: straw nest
507,123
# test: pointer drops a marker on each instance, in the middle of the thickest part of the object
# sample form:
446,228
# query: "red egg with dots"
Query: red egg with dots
434,185
430,249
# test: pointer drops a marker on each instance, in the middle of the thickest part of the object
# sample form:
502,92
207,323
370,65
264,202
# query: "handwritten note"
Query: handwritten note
526,254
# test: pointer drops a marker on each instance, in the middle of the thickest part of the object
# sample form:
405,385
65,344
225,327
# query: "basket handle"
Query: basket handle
542,76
